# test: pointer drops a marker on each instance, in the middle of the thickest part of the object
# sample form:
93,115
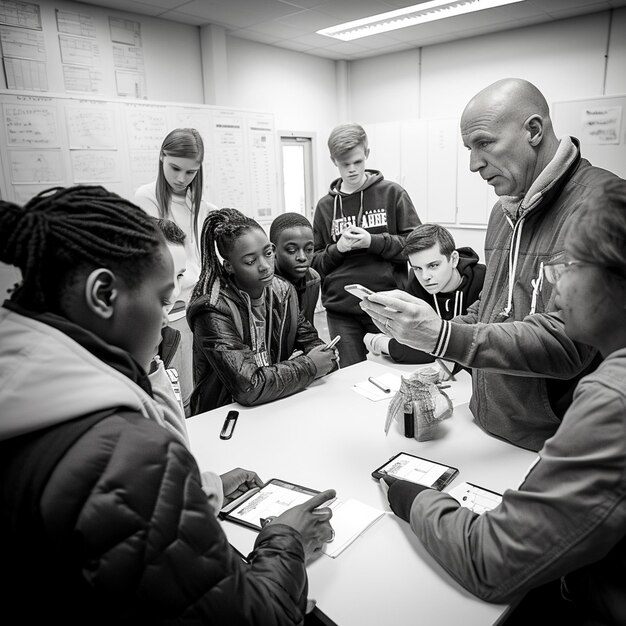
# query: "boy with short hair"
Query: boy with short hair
359,229
292,234
448,278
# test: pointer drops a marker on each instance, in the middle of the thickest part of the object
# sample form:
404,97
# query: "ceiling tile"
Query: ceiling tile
255,35
349,10
277,29
238,13
309,21
276,22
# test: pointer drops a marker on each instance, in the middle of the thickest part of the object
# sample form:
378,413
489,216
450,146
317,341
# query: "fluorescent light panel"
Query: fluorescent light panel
410,16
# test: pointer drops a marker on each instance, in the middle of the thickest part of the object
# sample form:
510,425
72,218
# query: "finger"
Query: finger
322,515
319,499
331,534
254,481
389,480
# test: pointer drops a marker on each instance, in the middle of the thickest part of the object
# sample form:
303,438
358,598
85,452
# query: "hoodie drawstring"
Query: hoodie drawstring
458,304
513,258
536,284
338,214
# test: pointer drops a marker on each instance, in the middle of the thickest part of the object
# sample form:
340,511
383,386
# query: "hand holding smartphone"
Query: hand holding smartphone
358,290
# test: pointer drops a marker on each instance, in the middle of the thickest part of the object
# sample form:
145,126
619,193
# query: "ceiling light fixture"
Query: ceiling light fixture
410,16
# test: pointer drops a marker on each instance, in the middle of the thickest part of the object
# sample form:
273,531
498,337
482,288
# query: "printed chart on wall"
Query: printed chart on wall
600,126
50,141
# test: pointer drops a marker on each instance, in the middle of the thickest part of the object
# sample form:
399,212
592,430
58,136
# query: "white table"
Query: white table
328,436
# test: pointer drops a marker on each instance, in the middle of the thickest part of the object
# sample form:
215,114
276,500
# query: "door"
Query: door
297,174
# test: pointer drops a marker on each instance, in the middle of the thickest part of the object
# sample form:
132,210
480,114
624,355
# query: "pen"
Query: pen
444,386
377,384
446,370
331,345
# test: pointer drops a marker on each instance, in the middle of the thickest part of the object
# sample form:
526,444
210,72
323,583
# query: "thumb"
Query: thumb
319,499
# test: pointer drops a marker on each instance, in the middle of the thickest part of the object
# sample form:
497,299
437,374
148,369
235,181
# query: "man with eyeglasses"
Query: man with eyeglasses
541,182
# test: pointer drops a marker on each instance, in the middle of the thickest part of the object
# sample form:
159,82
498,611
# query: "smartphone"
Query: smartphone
229,425
358,290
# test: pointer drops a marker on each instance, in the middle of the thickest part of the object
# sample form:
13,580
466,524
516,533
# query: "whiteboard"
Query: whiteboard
600,125
49,141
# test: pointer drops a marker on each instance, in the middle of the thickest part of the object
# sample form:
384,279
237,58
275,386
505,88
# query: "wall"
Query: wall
549,55
172,69
298,88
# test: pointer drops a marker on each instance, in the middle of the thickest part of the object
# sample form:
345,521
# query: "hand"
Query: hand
401,495
352,238
237,481
404,317
360,237
324,360
376,343
312,523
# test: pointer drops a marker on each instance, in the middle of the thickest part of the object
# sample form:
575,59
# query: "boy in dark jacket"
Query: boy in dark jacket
359,229
449,279
292,235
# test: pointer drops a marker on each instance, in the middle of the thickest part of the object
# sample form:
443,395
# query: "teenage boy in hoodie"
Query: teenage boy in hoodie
359,229
448,278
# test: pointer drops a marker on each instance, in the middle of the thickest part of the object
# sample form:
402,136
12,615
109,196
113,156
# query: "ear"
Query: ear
367,152
454,258
101,293
228,267
332,158
534,127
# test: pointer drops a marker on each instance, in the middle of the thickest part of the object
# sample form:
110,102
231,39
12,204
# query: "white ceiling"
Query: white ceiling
292,24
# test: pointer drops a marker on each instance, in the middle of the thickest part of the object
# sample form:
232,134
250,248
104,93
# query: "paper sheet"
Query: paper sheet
350,520
372,392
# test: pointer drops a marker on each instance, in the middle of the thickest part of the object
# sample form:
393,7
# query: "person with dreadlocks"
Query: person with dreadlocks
102,512
251,343
176,194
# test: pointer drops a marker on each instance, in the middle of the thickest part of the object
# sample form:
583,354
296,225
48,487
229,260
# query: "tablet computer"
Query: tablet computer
260,503
417,469
475,498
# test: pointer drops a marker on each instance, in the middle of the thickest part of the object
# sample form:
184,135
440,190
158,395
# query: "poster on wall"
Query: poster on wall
48,141
601,125
23,14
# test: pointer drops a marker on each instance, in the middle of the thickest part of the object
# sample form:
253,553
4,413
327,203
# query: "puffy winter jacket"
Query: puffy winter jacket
106,522
225,365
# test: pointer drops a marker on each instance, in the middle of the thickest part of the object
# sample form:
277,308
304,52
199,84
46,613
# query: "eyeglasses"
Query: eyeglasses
554,271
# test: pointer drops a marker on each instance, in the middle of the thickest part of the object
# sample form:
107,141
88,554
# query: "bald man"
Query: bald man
541,181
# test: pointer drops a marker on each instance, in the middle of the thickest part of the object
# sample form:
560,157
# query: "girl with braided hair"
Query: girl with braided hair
251,342
176,194
103,516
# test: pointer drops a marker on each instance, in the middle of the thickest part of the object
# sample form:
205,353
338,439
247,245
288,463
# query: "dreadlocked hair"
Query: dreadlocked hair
220,230
62,232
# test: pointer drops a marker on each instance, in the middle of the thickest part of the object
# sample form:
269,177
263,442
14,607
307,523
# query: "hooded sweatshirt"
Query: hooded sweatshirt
384,209
448,304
